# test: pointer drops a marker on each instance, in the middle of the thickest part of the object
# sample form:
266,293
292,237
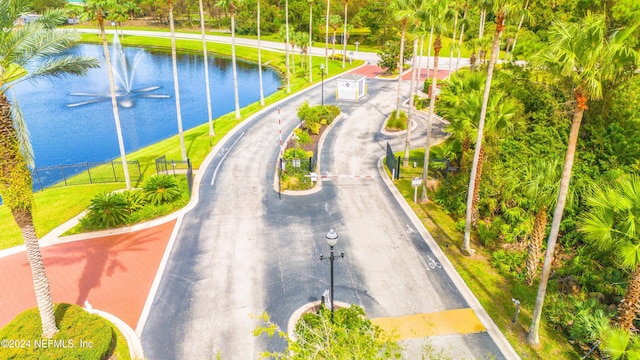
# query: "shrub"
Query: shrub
135,199
420,103
508,263
303,136
106,210
351,333
315,116
588,326
395,123
161,189
297,153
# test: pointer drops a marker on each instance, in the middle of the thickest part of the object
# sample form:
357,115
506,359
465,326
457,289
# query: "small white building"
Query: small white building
351,87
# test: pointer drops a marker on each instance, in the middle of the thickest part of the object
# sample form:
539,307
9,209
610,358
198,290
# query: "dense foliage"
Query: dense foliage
350,336
585,271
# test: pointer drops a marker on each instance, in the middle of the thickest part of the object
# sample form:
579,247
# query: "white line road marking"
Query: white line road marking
215,172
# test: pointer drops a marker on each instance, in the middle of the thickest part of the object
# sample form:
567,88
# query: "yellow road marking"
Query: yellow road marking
459,321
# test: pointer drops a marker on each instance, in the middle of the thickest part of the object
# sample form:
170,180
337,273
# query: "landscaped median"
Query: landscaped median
302,148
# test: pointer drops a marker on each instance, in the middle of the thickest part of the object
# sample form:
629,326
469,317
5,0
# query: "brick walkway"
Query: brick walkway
114,273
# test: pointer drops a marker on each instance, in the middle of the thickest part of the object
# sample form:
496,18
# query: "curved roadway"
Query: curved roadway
244,249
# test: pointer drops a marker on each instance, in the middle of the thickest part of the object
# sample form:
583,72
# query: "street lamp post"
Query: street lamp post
322,83
332,239
357,43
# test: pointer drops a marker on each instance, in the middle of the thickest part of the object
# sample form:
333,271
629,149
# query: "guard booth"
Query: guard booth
351,87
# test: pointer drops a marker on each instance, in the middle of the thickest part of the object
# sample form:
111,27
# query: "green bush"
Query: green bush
161,189
315,116
303,136
135,199
509,264
350,336
75,325
420,103
106,210
297,153
397,123
590,326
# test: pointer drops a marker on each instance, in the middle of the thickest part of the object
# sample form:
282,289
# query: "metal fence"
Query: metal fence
395,165
174,167
392,163
83,173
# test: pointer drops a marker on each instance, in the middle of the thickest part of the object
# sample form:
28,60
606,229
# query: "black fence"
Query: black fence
83,173
174,167
392,163
395,164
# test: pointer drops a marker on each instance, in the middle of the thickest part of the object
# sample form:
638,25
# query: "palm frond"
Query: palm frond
22,133
64,66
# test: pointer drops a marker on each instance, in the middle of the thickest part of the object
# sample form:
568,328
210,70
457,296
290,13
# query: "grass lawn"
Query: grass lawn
77,329
493,290
52,207
55,206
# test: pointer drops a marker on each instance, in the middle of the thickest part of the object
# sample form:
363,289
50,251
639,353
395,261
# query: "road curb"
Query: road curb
492,329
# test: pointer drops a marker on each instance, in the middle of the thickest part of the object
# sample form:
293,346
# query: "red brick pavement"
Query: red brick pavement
114,273
372,71
369,71
424,73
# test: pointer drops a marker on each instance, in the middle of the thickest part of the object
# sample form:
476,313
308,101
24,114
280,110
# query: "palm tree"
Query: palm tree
231,5
96,9
259,58
344,36
326,40
584,54
310,40
22,51
464,22
458,88
436,14
334,22
286,45
404,11
401,12
539,181
455,30
525,14
206,66
176,88
501,8
611,223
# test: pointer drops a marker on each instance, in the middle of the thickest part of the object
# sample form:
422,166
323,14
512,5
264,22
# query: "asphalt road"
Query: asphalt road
245,249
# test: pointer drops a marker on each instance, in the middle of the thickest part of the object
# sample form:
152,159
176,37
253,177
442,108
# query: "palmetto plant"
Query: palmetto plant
161,189
107,210
29,52
619,344
612,223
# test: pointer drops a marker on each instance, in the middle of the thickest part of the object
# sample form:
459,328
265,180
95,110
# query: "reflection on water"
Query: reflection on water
66,135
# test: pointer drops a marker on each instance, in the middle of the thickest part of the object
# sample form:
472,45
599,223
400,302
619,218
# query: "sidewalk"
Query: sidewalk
113,273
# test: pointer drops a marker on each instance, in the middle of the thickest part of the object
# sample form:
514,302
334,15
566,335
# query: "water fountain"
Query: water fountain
124,74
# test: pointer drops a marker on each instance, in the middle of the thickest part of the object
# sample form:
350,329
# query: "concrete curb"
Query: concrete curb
133,341
291,324
501,341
